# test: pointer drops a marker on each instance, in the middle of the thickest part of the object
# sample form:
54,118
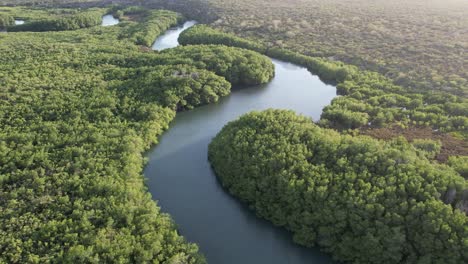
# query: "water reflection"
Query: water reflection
109,20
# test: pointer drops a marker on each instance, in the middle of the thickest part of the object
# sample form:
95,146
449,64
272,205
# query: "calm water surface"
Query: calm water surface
109,20
169,38
180,177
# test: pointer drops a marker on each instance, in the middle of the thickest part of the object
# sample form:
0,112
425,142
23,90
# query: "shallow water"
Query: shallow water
109,20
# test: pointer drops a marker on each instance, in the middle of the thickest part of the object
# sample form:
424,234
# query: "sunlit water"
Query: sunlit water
169,38
109,20
180,177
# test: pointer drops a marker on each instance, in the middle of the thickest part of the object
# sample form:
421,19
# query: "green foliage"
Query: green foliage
177,87
343,118
460,164
203,34
78,109
136,10
430,148
154,23
238,66
6,21
363,200
118,14
89,18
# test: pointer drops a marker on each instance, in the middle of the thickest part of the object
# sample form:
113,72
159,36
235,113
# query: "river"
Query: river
180,178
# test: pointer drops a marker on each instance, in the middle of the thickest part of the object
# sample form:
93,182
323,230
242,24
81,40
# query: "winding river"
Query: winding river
181,180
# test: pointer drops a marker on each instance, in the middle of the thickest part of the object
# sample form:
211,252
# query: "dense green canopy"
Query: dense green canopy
6,20
89,18
178,87
363,200
80,105
238,66
78,109
203,34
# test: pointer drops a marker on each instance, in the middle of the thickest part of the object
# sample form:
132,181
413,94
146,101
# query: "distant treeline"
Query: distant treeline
369,99
360,199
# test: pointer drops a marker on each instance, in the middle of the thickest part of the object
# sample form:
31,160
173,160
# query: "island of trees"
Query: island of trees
362,200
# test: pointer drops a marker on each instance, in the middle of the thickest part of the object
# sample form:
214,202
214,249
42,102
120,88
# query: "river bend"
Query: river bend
180,178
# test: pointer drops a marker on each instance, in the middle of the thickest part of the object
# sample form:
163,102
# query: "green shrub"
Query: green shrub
85,19
6,21
362,200
429,148
460,164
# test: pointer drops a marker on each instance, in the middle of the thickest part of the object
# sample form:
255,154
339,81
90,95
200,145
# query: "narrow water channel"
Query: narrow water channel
181,180
169,38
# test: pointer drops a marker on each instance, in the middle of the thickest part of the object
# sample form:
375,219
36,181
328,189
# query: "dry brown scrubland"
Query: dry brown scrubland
417,43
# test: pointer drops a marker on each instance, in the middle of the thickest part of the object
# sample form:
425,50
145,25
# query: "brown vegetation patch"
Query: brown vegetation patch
133,17
451,146
145,49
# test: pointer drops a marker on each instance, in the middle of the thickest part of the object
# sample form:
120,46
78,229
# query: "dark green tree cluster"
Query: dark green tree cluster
386,103
362,200
178,87
203,34
460,164
85,19
427,147
238,66
6,21
369,99
78,109
35,14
